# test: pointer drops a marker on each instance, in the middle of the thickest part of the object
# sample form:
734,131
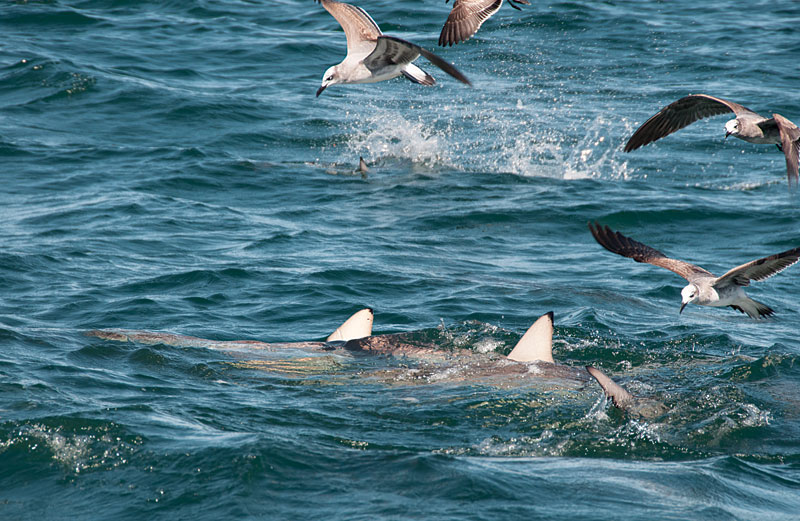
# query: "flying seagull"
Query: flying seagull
467,17
703,288
372,56
747,125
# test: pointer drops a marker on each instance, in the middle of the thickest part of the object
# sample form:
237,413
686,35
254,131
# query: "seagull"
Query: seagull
372,56
747,125
703,288
467,17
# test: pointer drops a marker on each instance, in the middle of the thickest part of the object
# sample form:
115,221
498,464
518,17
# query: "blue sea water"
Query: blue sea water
165,166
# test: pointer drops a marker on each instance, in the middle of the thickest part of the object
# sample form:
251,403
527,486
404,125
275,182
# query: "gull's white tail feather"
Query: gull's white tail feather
536,343
358,325
417,75
752,308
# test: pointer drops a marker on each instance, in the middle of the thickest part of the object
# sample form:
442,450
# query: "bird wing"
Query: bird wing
359,28
466,18
391,51
760,269
617,243
682,113
790,142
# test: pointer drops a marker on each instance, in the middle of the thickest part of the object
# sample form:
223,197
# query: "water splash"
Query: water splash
94,448
516,140
390,134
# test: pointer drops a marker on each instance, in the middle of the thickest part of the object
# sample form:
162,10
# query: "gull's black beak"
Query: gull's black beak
683,305
726,133
319,91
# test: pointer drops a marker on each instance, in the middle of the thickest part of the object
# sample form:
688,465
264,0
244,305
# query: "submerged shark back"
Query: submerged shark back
359,325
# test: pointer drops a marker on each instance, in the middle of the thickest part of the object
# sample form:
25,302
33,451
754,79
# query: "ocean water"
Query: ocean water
166,166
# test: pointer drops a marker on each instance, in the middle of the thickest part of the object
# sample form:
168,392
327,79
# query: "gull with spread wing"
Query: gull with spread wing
372,56
703,288
747,125
467,16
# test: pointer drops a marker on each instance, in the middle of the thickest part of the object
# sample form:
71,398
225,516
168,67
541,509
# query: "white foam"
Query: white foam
487,345
76,452
390,134
486,139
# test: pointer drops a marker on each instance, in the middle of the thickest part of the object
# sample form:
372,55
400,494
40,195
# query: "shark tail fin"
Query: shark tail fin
358,325
536,343
619,396
362,165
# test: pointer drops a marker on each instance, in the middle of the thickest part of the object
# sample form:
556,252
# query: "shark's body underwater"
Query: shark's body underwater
531,358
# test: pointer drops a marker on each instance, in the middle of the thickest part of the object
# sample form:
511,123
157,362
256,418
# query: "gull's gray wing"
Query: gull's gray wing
790,142
359,28
760,269
680,114
617,243
465,19
391,51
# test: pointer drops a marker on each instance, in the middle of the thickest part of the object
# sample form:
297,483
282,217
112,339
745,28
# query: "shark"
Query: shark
531,357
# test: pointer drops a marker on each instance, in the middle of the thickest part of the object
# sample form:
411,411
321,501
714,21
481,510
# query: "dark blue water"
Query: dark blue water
166,166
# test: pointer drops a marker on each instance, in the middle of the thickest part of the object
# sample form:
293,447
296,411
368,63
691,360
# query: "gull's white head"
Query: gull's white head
688,294
330,77
731,128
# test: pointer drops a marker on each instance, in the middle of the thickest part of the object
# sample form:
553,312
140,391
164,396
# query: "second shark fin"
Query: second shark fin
536,343
358,325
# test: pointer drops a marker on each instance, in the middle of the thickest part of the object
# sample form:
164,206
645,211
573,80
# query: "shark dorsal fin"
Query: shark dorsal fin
536,343
358,325
362,165
613,390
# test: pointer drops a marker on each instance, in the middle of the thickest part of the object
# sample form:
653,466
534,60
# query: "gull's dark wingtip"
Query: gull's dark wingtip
640,138
444,65
597,230
630,146
605,237
454,33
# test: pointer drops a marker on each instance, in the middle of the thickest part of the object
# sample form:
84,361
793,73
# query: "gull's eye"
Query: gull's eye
329,78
